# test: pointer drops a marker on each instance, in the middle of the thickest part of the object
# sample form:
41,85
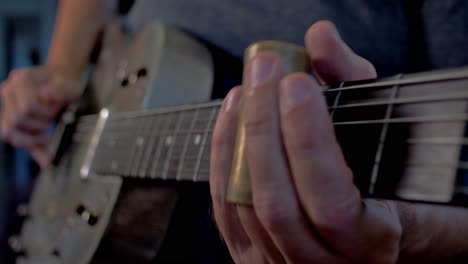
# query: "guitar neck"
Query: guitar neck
403,137
172,143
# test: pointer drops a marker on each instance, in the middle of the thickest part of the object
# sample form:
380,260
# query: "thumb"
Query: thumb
332,60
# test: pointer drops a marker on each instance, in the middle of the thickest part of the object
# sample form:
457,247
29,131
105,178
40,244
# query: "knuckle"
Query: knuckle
305,145
258,125
223,135
274,216
309,144
16,75
218,141
16,121
332,219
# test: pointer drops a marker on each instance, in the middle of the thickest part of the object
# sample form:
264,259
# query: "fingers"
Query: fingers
222,146
325,183
274,198
24,140
315,158
332,60
31,100
306,208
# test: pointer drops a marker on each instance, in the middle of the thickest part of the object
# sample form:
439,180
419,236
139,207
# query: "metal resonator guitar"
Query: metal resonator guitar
105,199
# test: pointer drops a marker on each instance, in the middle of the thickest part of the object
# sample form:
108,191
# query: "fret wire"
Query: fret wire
124,144
400,120
207,151
154,136
422,99
156,122
131,158
171,147
135,143
147,125
450,75
167,110
383,136
112,152
452,96
337,99
186,144
122,133
160,143
113,162
463,166
205,169
205,140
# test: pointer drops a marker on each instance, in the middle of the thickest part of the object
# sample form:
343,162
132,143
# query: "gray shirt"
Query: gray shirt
397,36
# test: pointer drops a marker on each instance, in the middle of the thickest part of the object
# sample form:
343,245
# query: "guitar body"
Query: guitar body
104,218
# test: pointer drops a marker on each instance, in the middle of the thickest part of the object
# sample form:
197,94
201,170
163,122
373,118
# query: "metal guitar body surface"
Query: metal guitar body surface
104,218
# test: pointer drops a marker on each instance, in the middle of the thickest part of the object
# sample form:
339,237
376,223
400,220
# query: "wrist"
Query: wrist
63,70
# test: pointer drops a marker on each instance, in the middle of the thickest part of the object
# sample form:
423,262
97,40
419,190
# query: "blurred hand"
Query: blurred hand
31,100
306,208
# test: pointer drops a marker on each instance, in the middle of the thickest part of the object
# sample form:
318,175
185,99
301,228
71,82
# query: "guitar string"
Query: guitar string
87,124
410,100
388,84
438,76
204,168
398,120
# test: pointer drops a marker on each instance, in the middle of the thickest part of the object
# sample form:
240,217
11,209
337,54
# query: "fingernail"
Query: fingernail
260,70
336,33
293,91
232,100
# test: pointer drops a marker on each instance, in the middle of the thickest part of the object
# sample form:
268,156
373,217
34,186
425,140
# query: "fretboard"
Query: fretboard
403,136
165,144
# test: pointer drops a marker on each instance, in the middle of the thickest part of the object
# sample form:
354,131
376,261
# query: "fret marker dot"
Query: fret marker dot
197,139
140,141
168,141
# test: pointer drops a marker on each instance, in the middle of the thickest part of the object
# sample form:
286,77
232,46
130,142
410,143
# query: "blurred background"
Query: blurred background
26,27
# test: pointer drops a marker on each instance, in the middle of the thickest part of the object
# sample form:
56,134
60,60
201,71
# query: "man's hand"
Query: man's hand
31,100
306,208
